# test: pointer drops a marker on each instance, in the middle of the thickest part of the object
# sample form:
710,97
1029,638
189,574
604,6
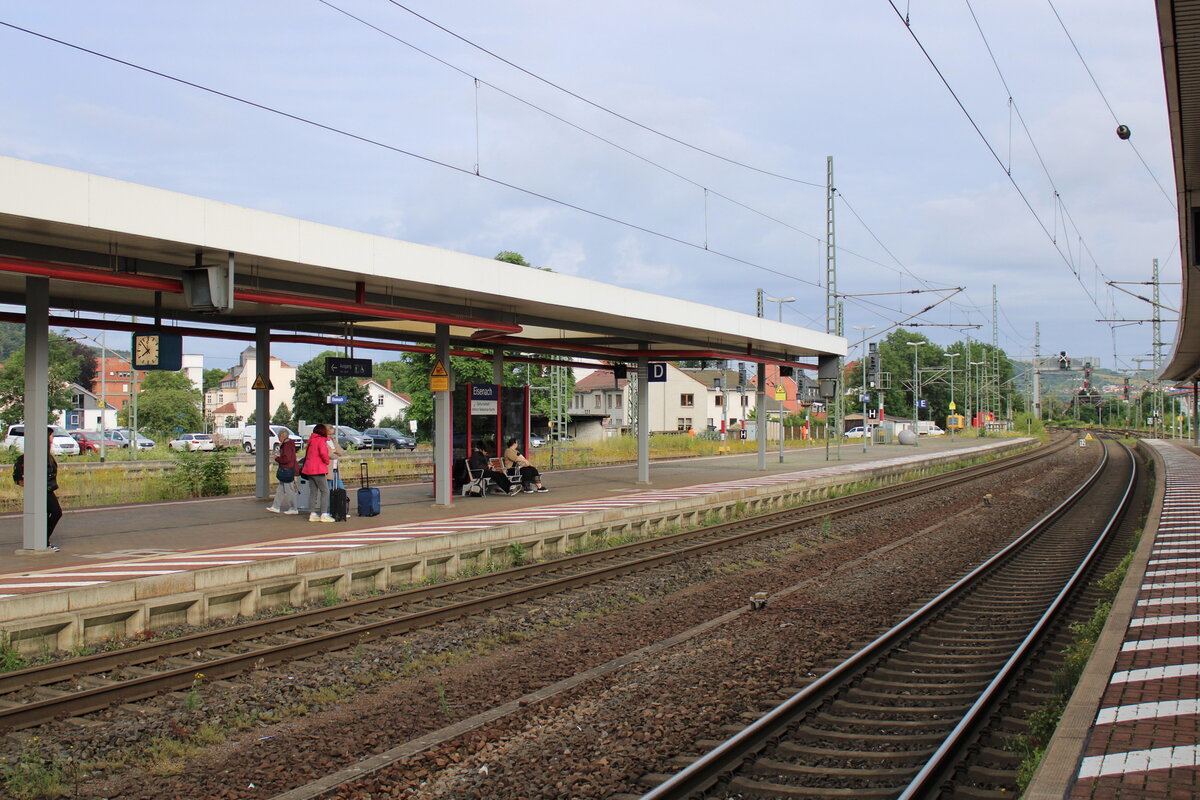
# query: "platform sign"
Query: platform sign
485,399
439,379
335,399
922,403
657,372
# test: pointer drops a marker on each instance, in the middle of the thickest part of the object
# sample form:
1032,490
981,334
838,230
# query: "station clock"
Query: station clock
157,350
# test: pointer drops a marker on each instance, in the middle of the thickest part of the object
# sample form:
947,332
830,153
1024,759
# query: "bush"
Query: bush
201,474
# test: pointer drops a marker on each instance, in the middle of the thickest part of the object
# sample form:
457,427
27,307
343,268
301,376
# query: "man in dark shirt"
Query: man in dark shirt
479,463
53,509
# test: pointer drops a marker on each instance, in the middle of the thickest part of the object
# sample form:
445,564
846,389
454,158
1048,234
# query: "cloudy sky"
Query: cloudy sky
691,140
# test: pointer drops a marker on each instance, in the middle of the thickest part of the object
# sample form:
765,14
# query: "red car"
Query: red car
89,441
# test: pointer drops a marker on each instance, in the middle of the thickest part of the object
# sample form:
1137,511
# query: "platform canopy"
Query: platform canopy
1179,32
121,248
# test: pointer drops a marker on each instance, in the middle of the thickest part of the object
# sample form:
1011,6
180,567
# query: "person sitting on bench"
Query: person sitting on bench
479,464
531,479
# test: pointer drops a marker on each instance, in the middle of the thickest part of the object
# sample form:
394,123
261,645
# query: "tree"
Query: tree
168,404
283,415
63,368
516,258
252,418
311,388
212,378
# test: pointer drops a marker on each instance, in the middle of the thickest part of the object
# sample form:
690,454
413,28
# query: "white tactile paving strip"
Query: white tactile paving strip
1145,740
102,572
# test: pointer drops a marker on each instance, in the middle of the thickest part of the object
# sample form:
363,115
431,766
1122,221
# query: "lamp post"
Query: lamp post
863,396
781,301
978,379
916,346
953,408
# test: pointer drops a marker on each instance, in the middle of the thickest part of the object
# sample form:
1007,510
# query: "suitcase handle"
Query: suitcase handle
364,475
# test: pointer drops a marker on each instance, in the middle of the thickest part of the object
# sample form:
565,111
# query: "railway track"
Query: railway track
894,720
39,694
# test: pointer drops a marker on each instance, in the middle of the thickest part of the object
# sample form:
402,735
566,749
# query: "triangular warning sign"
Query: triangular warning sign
439,371
261,383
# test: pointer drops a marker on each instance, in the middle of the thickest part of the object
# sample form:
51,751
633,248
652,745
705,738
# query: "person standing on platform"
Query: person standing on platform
530,477
53,509
285,493
316,464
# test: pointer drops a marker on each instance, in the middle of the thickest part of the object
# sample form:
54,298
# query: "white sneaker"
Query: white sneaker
291,511
326,518
273,510
314,517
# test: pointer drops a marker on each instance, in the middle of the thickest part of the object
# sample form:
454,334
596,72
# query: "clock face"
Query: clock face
146,350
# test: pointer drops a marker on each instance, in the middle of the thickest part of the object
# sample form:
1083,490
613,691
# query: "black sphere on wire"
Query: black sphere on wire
1123,132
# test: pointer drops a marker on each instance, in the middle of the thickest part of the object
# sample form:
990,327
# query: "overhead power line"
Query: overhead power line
409,153
604,108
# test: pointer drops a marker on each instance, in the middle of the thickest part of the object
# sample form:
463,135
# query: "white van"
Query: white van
61,445
250,436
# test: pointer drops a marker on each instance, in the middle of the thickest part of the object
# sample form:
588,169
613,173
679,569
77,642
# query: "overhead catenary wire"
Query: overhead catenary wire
991,149
401,151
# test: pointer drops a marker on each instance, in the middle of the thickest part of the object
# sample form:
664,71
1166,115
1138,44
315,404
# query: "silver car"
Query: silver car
193,441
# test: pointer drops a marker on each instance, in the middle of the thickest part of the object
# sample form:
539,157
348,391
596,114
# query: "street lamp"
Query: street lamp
781,301
978,379
953,409
863,396
916,346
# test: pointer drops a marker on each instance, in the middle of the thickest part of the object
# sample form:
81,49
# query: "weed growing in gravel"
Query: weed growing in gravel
517,554
826,526
326,695
329,595
191,700
165,756
10,659
443,704
30,775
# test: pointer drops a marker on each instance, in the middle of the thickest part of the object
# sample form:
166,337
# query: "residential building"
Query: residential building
386,402
114,381
234,397
85,411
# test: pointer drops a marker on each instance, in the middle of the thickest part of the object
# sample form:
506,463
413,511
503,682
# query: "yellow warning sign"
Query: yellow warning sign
439,379
262,382
780,393
1089,437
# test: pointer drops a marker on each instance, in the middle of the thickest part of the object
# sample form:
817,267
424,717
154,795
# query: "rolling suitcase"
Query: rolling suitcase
368,498
339,501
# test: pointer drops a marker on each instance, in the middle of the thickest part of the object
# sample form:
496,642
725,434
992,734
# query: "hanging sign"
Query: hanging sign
484,398
439,379
780,393
347,367
262,382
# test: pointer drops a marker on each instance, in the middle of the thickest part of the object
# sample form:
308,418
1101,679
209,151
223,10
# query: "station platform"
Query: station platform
125,569
1132,727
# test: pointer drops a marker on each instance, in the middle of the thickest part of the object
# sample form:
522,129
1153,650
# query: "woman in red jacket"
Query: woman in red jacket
316,464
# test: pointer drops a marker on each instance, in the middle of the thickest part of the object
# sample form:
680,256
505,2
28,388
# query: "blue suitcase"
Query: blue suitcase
368,498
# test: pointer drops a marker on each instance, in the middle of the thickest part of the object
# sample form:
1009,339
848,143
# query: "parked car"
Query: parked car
563,438
250,434
931,430
854,433
60,445
88,441
383,438
350,438
121,437
193,441
536,441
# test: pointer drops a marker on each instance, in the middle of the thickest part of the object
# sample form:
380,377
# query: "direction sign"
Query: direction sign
864,398
657,372
348,367
335,399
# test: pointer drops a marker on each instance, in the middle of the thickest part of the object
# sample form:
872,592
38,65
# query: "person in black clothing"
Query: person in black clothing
479,464
53,509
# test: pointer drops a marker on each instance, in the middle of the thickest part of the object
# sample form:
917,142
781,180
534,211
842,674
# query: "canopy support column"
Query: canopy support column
498,368
443,434
37,448
262,412
643,419
760,413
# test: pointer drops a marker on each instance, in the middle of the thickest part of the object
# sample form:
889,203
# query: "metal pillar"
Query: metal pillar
262,412
37,448
1195,419
443,435
643,419
498,369
760,403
